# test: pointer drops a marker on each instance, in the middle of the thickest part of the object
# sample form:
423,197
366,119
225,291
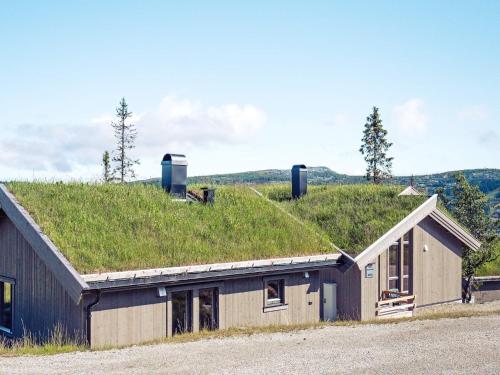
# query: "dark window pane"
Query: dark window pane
406,237
405,284
6,305
208,309
181,312
274,292
394,284
393,260
406,259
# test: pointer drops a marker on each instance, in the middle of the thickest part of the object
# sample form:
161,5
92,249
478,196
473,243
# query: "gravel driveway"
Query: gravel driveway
465,345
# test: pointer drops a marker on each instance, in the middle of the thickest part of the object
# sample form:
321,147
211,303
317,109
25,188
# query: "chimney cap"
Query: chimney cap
177,159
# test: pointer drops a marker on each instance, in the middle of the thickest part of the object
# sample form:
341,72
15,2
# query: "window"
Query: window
394,267
399,265
208,309
406,267
6,296
274,292
181,312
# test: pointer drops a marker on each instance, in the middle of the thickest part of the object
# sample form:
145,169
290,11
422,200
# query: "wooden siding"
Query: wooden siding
348,290
437,272
129,317
369,292
40,302
244,301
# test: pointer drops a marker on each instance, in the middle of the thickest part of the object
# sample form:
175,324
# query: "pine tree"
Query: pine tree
374,149
107,176
468,205
125,134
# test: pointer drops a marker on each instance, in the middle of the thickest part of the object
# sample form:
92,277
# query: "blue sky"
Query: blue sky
245,86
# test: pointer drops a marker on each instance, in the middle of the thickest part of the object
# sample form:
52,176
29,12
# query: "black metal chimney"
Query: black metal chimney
208,195
174,175
299,180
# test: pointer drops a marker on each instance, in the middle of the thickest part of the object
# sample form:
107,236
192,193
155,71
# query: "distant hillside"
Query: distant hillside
488,180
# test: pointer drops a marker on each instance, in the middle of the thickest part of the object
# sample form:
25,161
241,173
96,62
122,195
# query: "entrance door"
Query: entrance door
209,309
329,301
181,312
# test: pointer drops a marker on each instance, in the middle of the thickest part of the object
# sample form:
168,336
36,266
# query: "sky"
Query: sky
240,86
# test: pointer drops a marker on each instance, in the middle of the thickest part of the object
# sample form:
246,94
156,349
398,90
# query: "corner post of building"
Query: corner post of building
196,310
222,308
169,314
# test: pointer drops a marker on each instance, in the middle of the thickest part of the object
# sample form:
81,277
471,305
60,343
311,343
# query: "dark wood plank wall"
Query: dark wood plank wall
348,290
40,302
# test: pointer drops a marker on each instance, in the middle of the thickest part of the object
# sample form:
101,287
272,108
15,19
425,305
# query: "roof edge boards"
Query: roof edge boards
455,229
284,263
48,252
397,231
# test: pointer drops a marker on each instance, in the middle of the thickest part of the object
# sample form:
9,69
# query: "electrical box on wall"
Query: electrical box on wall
370,270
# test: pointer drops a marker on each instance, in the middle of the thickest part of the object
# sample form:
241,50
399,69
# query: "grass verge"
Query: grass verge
26,346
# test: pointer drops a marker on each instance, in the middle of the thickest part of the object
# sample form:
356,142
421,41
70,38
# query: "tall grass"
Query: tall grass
57,341
122,227
353,216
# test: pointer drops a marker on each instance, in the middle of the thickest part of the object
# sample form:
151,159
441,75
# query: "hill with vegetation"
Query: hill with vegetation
488,181
114,227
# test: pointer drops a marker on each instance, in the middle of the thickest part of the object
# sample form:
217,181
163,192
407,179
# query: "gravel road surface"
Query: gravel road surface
454,346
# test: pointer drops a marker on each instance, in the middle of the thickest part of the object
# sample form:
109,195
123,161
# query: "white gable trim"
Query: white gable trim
410,190
396,232
63,271
455,229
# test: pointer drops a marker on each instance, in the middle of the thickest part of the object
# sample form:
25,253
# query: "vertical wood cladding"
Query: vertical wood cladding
40,302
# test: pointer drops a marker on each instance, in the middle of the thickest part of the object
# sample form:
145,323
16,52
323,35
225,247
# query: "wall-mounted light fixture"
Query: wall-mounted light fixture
306,275
426,248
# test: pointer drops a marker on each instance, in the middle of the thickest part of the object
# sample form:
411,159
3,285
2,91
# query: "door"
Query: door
329,302
181,312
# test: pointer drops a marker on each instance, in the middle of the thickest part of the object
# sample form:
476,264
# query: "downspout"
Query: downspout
89,315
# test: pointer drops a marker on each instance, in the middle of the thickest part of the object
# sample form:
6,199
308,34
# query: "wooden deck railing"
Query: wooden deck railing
395,303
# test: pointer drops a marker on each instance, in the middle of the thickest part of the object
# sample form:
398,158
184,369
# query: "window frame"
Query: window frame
7,280
403,258
405,240
397,277
188,322
282,282
214,323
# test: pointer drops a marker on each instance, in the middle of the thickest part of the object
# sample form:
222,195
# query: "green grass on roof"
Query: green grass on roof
353,216
123,227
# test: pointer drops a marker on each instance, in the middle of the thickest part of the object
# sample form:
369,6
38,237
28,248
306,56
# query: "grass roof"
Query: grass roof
353,216
123,227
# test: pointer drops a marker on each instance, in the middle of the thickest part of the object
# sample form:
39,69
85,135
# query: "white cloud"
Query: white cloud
473,113
176,125
410,117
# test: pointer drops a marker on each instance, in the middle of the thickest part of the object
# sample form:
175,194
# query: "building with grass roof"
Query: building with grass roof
123,264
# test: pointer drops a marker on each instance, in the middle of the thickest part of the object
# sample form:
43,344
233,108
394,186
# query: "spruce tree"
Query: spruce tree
125,134
374,148
106,168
